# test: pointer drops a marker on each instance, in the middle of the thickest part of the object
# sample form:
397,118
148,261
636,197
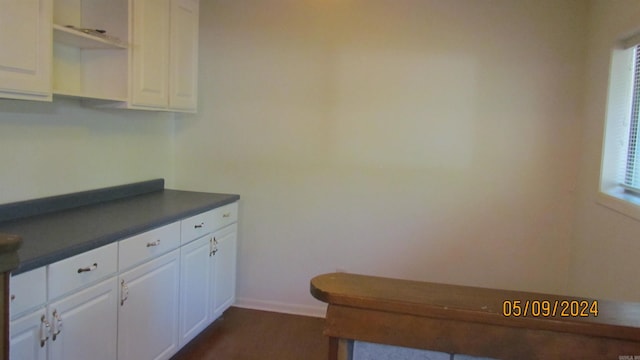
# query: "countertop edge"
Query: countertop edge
188,203
24,266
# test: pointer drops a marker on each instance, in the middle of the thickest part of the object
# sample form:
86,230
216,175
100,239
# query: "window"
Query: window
631,180
620,172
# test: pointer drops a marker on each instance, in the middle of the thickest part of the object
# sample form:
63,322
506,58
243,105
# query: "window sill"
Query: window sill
620,201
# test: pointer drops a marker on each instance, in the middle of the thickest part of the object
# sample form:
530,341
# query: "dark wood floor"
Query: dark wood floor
243,334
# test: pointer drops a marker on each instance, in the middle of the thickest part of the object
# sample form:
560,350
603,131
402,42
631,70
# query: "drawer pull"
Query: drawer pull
198,226
89,268
13,297
152,244
226,215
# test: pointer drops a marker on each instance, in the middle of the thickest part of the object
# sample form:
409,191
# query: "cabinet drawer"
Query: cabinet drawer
83,269
27,291
142,247
196,226
206,222
225,215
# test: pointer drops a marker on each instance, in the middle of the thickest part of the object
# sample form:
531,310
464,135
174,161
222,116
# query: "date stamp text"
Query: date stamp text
550,308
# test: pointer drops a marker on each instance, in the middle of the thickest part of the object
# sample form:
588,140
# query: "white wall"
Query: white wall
606,245
430,140
62,147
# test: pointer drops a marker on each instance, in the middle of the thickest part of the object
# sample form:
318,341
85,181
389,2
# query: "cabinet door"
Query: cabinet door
148,311
84,324
183,65
224,284
150,53
195,288
28,336
25,40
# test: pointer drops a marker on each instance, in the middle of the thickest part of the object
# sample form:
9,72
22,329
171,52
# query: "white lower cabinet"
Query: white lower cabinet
207,280
26,335
83,325
224,270
195,287
141,298
79,326
148,311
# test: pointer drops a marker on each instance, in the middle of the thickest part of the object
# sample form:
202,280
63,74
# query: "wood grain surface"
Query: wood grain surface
471,320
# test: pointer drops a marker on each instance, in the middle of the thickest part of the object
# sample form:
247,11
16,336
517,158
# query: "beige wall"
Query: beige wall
62,147
605,248
430,140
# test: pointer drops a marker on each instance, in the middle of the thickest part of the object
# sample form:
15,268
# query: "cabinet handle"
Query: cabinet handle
13,297
198,226
124,292
56,325
152,244
226,215
88,268
44,330
213,246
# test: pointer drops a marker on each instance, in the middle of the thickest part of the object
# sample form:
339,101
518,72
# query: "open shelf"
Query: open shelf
79,39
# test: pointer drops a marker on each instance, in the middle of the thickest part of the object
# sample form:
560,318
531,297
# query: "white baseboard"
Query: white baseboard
275,306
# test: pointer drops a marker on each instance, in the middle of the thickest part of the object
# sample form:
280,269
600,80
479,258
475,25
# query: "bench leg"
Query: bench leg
333,348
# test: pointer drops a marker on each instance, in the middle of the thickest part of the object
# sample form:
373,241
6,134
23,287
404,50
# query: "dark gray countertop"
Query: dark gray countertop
56,235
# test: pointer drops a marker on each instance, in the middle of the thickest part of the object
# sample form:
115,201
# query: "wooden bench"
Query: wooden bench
471,320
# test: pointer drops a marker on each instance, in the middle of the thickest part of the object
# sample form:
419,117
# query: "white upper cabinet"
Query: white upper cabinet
183,69
150,53
132,54
90,49
164,55
25,55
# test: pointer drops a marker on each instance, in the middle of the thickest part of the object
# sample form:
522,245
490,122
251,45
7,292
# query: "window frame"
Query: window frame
623,97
